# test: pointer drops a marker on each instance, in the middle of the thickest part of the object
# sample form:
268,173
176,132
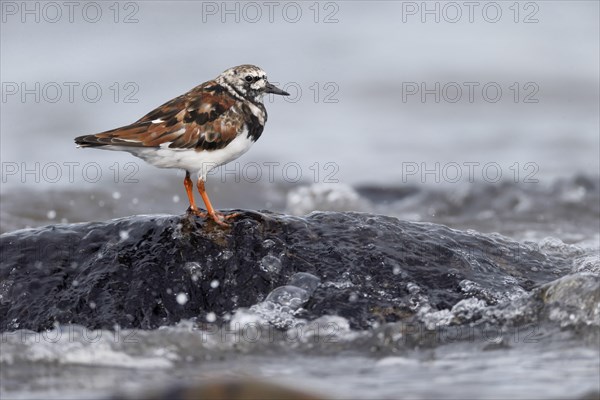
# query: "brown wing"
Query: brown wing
204,118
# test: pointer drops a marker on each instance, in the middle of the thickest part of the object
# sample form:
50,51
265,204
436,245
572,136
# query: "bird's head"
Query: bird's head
249,81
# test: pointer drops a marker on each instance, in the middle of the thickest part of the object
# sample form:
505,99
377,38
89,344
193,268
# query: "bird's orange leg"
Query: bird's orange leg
218,217
189,189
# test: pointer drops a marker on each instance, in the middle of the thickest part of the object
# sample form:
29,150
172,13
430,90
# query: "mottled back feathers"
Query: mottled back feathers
208,117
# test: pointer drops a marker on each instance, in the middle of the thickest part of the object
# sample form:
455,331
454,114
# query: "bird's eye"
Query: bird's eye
248,78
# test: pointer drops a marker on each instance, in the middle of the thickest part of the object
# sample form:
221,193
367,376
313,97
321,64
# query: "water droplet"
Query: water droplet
124,235
175,199
267,244
51,214
214,284
211,317
116,195
412,288
182,298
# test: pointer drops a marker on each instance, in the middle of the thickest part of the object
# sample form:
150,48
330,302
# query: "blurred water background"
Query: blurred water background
357,114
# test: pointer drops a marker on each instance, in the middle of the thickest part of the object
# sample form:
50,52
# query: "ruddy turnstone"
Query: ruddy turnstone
211,125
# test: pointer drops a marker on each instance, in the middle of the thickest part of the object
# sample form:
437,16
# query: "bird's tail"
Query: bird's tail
88,141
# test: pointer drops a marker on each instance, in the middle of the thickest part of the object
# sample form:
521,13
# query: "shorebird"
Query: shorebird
211,125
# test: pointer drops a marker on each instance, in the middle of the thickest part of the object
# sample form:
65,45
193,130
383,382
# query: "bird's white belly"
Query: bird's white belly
191,160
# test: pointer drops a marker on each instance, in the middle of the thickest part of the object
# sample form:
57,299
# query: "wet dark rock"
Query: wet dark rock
241,389
148,271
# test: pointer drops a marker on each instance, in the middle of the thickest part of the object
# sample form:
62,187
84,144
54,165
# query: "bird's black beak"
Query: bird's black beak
270,88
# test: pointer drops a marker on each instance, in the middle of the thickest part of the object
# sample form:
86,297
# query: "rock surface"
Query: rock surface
149,271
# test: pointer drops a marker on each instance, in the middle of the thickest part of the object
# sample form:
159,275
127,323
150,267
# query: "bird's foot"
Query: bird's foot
216,216
196,212
220,218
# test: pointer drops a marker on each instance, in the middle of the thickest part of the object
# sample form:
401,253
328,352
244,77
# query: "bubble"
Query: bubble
305,281
288,296
270,264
